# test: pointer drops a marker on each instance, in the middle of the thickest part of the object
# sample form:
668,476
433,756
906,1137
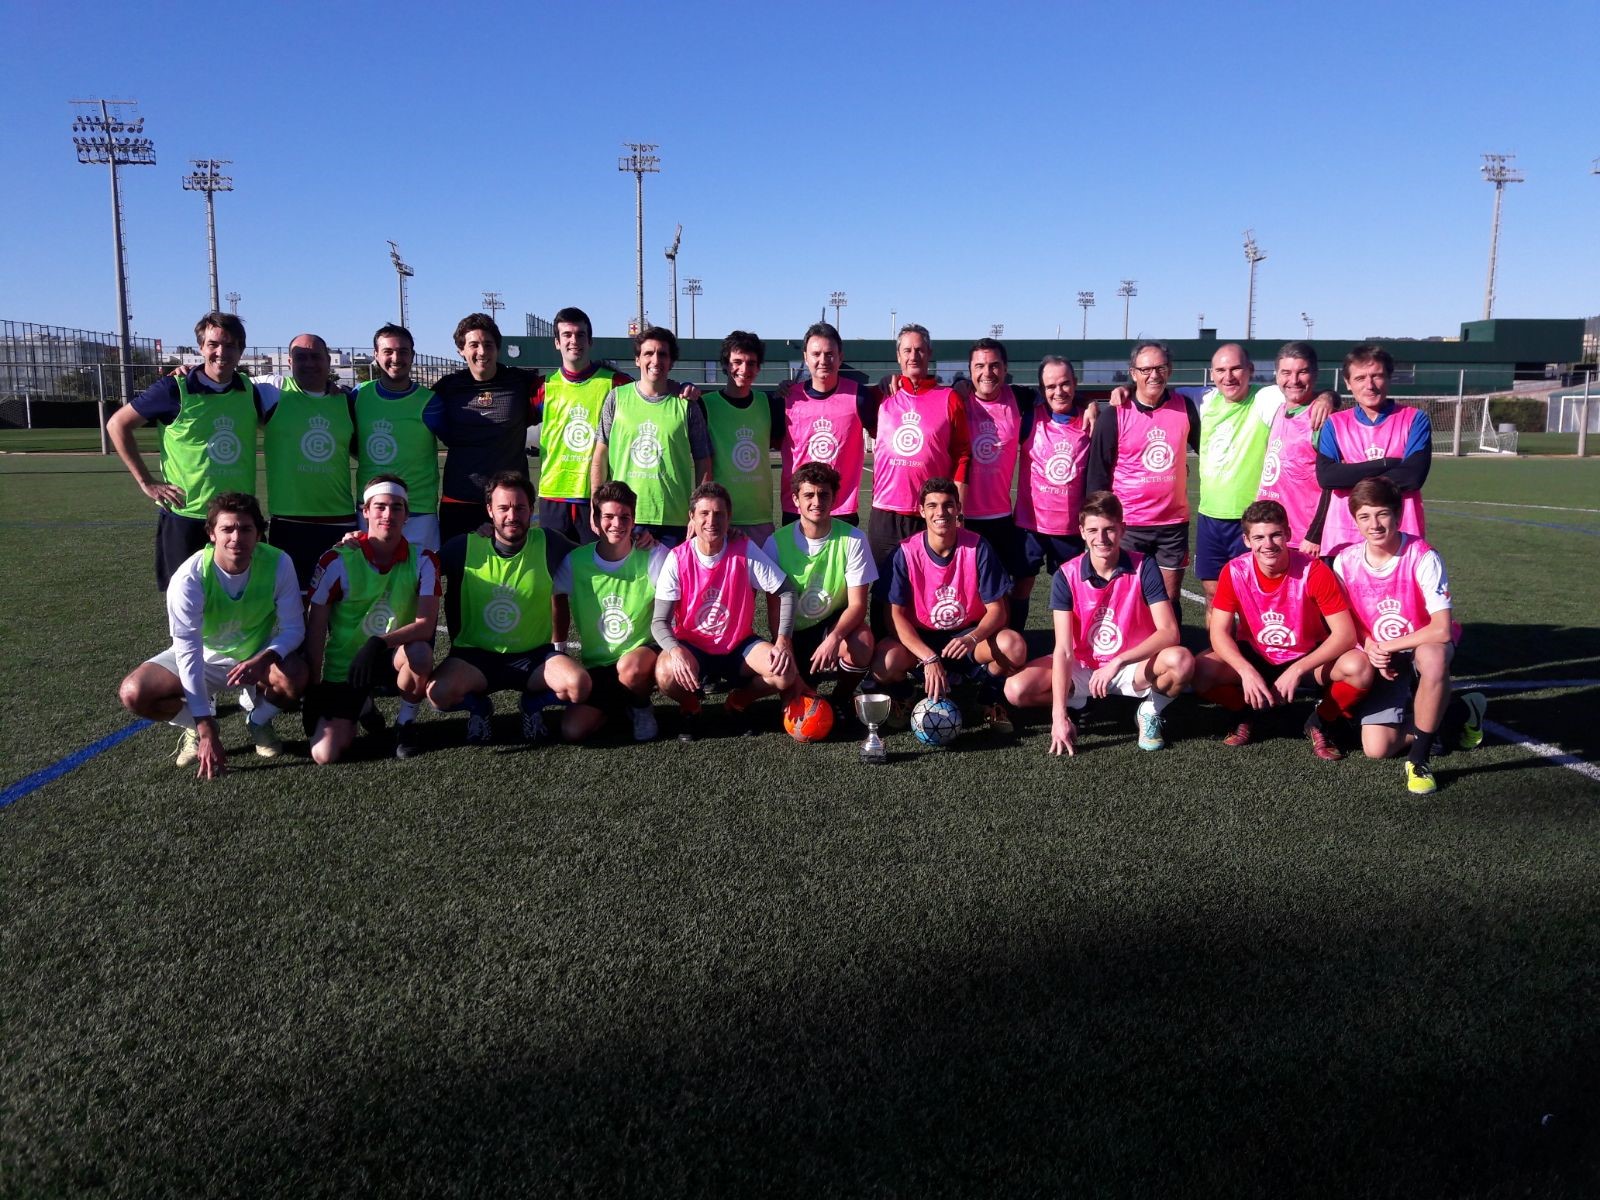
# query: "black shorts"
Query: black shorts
1005,539
177,537
306,541
456,518
1049,550
725,668
569,518
885,532
505,672
341,702
1168,544
807,640
607,693
1269,670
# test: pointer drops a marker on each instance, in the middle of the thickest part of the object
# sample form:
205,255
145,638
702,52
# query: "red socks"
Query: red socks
1340,701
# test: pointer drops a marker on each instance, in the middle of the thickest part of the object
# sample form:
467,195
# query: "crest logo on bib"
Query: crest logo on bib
947,612
986,442
615,624
823,444
908,438
711,614
317,444
1105,638
502,612
1158,455
381,446
646,448
1390,622
1273,463
1374,453
1275,631
815,601
746,454
579,434
227,635
1060,468
379,618
223,447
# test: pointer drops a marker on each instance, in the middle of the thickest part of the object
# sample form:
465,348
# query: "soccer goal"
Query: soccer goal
1462,425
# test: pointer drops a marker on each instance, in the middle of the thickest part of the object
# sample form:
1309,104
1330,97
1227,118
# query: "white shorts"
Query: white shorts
217,667
421,529
1122,684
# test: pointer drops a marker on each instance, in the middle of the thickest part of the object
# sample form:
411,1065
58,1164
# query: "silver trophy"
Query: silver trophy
872,708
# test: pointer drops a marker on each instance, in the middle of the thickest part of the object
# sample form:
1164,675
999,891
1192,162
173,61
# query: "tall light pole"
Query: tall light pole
233,299
1252,255
672,262
1309,323
403,272
493,304
838,300
1497,169
894,327
1200,320
997,331
1086,302
104,136
1127,291
207,177
691,289
641,163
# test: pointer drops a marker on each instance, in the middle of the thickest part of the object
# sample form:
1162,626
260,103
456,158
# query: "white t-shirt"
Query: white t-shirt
859,568
763,573
186,611
1430,575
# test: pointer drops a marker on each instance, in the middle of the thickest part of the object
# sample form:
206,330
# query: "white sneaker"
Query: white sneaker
1148,722
268,743
188,748
645,727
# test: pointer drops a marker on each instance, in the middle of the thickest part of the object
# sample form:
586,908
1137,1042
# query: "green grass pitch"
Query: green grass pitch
737,968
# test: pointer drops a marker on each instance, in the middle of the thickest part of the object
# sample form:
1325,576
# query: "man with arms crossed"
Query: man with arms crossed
1400,598
822,422
374,606
234,610
393,435
568,404
609,589
1295,623
740,422
704,618
996,416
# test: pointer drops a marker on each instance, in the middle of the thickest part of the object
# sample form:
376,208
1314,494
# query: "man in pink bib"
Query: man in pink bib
1054,453
821,420
1293,623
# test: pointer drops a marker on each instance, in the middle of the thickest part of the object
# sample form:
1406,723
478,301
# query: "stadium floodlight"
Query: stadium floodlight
672,263
1497,169
1127,291
1252,255
838,300
1086,302
894,328
640,162
691,289
997,331
1309,323
233,299
104,135
403,272
207,178
492,304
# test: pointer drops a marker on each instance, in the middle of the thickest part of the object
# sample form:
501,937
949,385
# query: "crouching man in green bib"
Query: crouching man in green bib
609,590
498,593
374,607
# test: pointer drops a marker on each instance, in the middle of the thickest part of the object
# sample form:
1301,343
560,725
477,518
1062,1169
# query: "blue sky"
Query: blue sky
961,171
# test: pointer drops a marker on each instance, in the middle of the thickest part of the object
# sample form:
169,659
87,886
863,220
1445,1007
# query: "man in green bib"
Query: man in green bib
740,422
374,607
609,590
234,611
831,567
208,440
310,443
498,592
568,408
653,438
392,433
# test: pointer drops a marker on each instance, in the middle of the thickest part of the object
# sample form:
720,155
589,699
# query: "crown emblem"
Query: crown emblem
1157,435
1389,607
223,424
378,427
945,593
320,423
745,435
911,417
822,426
1269,617
611,604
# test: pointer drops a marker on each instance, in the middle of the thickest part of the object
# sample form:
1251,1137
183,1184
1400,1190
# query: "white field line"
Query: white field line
1498,504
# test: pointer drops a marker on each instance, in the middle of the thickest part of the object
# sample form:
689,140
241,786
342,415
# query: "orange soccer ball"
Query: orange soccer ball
808,718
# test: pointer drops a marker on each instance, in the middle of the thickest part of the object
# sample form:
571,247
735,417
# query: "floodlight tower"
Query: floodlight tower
691,289
403,272
672,263
640,162
104,135
1497,169
997,331
233,299
894,329
1127,291
838,300
1309,323
207,177
492,304
1086,302
1252,255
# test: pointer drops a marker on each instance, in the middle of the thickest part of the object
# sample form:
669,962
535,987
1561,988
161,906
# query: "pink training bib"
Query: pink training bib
993,426
1151,474
1050,487
1289,474
716,605
1106,620
1282,625
825,431
912,447
944,597
1388,606
1360,442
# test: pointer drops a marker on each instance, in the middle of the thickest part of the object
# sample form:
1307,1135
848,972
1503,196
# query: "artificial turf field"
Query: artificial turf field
761,968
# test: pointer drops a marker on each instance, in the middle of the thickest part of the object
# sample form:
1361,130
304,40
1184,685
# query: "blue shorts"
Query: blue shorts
1049,550
1215,542
727,668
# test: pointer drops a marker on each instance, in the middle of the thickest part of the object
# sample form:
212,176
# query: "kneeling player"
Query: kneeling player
1400,598
234,610
947,602
1296,623
609,589
831,568
1116,634
497,605
374,606
704,618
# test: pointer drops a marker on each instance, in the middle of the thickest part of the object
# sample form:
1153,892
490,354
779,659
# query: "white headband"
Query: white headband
385,487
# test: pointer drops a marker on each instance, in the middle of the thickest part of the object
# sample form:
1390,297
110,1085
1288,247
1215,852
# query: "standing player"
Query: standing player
947,600
739,421
208,446
1138,453
392,433
995,418
831,568
1289,472
1116,635
1400,598
704,617
569,403
1296,624
234,610
1055,438
608,589
1377,437
374,606
498,608
822,422
653,438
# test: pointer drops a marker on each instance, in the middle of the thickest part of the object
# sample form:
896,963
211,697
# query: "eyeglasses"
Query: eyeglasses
1147,372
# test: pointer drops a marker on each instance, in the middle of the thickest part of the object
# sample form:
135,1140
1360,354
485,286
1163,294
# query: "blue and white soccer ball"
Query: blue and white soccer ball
935,722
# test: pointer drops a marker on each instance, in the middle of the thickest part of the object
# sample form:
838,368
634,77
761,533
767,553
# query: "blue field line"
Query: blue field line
71,762
1519,521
